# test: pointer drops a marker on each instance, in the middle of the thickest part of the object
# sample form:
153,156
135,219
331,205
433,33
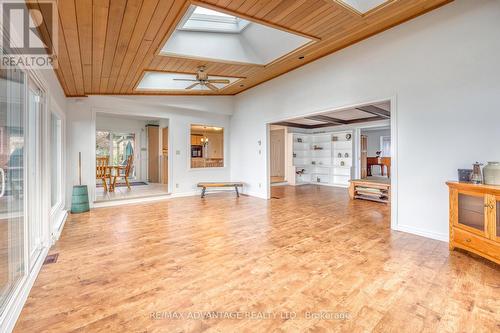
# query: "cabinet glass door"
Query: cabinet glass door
497,232
471,214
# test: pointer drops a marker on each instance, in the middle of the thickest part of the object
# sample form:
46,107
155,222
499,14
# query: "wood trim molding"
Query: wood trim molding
253,19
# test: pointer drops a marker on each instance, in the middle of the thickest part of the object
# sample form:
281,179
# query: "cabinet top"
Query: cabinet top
482,188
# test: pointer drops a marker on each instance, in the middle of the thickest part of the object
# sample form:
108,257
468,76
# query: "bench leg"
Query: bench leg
203,192
237,192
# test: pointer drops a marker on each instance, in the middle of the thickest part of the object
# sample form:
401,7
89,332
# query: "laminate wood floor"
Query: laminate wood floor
309,260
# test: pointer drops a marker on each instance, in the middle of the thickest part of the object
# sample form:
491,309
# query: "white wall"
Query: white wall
181,113
373,140
442,72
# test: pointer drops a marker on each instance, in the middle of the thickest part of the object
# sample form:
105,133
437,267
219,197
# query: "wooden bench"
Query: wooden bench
371,189
204,186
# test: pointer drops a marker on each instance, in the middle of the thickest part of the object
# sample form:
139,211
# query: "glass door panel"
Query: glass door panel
471,211
35,107
12,176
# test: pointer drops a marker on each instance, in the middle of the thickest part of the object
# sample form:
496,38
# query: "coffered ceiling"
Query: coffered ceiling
105,46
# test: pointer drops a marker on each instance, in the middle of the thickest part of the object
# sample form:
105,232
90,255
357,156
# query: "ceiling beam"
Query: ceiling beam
290,124
330,120
365,120
372,109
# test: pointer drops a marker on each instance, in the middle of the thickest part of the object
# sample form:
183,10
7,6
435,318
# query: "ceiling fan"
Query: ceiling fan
203,80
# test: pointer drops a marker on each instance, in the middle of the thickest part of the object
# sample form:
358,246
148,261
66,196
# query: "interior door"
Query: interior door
12,181
164,155
277,153
364,156
153,154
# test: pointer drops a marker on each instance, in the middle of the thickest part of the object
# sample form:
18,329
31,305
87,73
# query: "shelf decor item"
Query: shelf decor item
348,136
491,173
334,138
476,177
299,139
464,175
342,163
346,155
339,155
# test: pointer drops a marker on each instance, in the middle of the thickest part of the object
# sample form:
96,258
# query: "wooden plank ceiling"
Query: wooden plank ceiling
105,45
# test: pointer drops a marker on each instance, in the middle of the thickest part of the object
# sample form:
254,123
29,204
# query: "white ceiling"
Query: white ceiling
255,44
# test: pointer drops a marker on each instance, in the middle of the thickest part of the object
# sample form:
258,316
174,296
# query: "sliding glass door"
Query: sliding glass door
34,139
12,181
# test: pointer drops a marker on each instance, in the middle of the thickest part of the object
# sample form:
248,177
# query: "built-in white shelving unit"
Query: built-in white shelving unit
323,158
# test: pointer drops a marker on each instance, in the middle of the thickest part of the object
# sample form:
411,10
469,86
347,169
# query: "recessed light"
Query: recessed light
301,57
242,85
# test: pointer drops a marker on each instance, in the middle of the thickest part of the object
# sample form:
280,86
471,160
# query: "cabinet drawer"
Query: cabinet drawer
476,243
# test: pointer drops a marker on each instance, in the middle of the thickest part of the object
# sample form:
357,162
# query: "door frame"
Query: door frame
394,146
20,293
114,112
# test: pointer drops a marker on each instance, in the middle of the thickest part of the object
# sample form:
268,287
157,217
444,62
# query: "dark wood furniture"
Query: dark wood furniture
475,219
383,162
204,186
378,190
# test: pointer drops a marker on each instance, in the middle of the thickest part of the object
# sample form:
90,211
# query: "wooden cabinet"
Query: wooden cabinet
196,139
475,219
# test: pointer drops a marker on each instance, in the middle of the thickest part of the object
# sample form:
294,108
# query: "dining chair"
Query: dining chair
126,171
102,170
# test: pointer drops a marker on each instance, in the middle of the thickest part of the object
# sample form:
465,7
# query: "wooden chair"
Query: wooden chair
102,170
126,171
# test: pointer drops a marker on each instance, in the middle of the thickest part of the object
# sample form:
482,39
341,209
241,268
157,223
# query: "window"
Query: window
13,197
363,6
116,146
203,19
55,159
207,146
178,81
385,146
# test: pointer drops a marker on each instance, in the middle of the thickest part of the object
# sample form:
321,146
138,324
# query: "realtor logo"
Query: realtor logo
21,25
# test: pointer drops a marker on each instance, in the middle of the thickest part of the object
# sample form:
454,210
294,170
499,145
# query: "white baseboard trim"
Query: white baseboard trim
131,201
423,233
60,222
255,195
15,306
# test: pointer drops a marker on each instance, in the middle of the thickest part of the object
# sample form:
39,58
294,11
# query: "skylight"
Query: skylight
204,19
179,81
206,34
363,6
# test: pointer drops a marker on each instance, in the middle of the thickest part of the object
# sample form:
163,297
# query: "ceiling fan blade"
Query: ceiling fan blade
192,86
189,80
223,81
211,86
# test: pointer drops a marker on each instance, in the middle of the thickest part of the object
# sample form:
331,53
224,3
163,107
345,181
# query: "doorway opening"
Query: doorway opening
131,157
349,148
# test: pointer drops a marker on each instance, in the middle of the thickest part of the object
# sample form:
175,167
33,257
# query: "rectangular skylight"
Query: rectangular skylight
179,81
363,6
204,19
